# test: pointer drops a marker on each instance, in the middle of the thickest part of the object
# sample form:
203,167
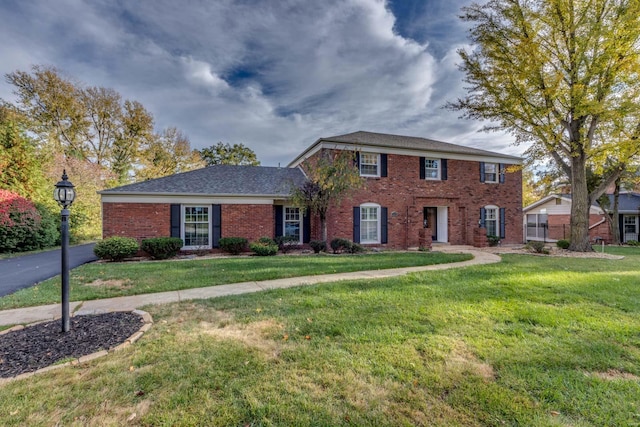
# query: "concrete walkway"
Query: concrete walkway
53,311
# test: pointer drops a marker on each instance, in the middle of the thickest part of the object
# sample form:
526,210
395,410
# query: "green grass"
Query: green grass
531,341
107,280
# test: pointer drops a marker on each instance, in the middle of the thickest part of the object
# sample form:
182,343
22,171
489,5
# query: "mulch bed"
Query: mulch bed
44,344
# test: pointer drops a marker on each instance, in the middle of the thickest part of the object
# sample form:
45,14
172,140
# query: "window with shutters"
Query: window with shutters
196,227
292,222
491,220
491,172
431,168
369,223
369,164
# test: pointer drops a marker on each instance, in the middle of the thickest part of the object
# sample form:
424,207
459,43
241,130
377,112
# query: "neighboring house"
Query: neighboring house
417,191
549,219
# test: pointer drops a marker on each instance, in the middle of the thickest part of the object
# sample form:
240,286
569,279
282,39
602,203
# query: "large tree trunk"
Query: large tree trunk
580,205
615,226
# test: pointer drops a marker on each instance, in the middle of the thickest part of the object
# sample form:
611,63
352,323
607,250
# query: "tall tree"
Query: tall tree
563,76
169,153
20,164
90,123
227,154
332,174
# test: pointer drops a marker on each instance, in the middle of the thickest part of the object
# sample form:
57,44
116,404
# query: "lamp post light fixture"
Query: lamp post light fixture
65,194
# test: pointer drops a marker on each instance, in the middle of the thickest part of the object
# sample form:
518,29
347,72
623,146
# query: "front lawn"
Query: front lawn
531,341
107,280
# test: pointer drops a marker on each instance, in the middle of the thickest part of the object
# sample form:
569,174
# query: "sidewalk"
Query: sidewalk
52,311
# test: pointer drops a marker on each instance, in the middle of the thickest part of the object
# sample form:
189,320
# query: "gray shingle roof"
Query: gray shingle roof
411,143
220,180
627,202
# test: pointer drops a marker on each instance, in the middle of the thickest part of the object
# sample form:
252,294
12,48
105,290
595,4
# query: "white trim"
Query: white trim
369,175
209,223
187,199
379,223
439,169
320,144
300,221
497,173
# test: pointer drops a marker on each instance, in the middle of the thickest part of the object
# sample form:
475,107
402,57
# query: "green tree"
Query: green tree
169,153
226,154
90,123
332,174
561,75
20,167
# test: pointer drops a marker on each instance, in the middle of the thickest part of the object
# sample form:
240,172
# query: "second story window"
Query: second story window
432,169
369,164
491,172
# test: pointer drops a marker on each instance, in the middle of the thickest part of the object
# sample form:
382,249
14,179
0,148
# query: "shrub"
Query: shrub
286,243
341,245
356,248
318,246
116,248
493,240
633,243
48,234
19,223
233,245
264,247
538,247
162,247
266,241
563,244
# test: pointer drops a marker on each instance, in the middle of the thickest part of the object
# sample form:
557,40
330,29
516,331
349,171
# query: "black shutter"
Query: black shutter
356,224
481,171
483,214
175,221
383,165
502,223
216,222
356,160
306,227
383,225
443,172
502,172
279,220
422,172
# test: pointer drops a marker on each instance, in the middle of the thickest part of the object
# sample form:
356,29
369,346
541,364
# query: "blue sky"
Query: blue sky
273,75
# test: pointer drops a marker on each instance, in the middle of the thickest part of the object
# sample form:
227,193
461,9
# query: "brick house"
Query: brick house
549,219
417,191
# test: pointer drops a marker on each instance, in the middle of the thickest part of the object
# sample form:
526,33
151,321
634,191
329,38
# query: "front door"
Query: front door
431,221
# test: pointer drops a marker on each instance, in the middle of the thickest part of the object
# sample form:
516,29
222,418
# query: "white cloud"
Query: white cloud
272,75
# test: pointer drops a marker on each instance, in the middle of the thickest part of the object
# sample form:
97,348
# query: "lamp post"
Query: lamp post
64,194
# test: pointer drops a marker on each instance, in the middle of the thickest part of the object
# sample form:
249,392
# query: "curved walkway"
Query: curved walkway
128,303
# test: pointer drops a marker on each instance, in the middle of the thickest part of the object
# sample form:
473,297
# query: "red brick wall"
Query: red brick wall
139,220
559,227
144,220
405,195
250,221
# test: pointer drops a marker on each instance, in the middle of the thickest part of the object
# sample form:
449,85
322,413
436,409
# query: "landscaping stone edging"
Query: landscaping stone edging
146,318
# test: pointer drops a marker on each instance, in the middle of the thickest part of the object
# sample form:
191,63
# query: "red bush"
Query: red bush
19,223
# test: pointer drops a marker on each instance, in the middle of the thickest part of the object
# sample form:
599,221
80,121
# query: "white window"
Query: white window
370,223
491,220
196,227
630,227
292,223
369,164
432,168
491,172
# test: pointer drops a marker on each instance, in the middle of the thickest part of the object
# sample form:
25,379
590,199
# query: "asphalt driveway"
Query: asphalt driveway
27,270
